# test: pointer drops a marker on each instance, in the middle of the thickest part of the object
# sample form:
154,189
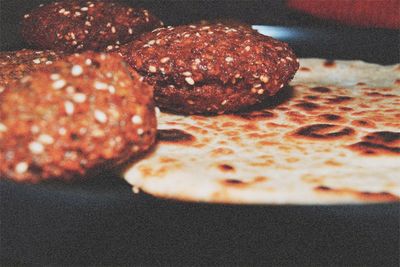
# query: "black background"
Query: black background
101,222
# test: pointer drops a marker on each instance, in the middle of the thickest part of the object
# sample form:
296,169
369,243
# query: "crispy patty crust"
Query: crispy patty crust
79,25
16,64
212,68
83,113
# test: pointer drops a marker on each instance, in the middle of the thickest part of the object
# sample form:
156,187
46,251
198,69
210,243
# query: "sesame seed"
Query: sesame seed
77,13
26,16
135,189
187,73
55,76
76,70
152,69
84,8
88,61
189,80
140,131
62,131
229,59
35,129
190,102
87,23
130,30
257,85
247,48
45,139
260,91
26,79
100,116
264,78
136,119
36,147
197,61
224,102
111,89
21,167
70,89
36,60
164,60
113,30
58,84
62,10
100,85
3,128
69,107
79,98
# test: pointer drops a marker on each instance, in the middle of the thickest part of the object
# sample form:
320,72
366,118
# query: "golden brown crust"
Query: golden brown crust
82,113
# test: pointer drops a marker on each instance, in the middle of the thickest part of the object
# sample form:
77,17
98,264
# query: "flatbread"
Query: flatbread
332,136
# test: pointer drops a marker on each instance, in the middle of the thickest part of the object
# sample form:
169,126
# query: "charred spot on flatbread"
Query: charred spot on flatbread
323,132
174,136
365,196
378,143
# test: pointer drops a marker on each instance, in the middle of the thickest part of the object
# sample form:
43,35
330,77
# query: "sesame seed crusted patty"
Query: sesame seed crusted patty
86,112
16,64
216,68
79,25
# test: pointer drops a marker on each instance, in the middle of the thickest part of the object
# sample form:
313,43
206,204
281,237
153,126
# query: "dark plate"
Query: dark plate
100,221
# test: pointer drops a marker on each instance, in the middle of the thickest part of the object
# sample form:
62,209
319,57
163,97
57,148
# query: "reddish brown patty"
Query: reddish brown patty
210,69
16,64
85,25
84,113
